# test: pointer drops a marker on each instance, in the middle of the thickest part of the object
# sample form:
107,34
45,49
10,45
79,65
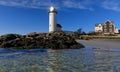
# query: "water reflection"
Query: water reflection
68,60
103,61
106,60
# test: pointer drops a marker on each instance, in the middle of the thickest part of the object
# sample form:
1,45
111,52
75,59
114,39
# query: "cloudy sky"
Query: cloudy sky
24,16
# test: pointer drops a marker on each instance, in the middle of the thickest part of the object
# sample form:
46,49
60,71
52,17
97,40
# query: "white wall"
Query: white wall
116,30
99,28
52,21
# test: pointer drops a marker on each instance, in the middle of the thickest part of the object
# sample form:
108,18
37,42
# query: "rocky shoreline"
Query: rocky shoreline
56,40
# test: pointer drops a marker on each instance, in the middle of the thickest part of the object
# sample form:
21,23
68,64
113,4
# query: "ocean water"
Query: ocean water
88,59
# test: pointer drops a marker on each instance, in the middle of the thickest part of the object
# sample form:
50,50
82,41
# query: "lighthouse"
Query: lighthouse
53,26
52,19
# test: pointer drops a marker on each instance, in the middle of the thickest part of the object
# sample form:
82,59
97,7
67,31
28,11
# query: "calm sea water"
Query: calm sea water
67,60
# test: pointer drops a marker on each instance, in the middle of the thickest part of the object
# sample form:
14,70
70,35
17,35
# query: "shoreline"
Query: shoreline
101,43
88,37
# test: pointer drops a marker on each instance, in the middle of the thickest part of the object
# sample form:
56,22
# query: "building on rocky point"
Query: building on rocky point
53,26
116,30
106,28
98,28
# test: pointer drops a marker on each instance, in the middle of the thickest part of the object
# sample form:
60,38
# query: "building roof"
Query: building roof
98,24
52,10
58,25
107,22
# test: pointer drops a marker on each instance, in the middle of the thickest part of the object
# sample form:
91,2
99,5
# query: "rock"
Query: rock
8,37
56,40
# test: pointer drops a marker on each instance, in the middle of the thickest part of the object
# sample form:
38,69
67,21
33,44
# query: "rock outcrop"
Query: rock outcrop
56,40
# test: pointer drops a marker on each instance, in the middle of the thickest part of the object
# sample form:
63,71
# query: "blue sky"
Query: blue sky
25,16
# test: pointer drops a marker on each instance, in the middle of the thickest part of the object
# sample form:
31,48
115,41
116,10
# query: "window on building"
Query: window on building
110,25
104,26
110,30
105,30
99,30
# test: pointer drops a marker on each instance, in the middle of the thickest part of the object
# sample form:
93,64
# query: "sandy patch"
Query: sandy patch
101,43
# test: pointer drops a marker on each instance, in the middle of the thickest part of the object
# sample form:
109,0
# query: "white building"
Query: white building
98,28
53,26
106,28
116,30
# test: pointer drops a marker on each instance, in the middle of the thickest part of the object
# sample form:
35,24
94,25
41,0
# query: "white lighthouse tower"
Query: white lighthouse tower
52,19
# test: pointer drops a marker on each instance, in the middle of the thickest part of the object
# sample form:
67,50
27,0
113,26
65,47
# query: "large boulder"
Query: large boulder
56,40
8,37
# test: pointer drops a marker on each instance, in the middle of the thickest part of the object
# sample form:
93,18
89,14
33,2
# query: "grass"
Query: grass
88,37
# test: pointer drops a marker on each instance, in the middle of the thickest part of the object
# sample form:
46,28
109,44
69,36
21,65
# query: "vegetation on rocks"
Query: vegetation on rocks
56,40
88,37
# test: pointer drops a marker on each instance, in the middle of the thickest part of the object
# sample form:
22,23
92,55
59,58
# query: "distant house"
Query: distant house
116,30
98,28
106,28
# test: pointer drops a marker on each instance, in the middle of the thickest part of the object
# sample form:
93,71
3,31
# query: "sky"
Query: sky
25,16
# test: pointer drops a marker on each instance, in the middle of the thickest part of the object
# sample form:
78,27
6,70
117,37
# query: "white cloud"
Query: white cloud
40,4
44,4
111,5
86,4
66,4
